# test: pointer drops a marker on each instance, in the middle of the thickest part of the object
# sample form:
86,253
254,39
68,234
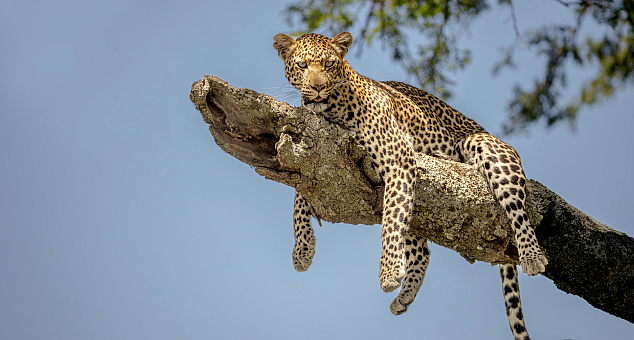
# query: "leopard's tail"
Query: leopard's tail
511,288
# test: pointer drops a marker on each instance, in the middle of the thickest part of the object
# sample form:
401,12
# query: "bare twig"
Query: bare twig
364,29
517,31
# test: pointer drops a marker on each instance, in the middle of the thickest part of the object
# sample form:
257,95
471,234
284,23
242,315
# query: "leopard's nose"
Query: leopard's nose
318,87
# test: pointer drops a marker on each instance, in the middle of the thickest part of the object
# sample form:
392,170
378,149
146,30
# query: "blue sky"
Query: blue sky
121,219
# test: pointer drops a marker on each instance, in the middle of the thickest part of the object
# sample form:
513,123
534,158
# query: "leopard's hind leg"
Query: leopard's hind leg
501,166
417,257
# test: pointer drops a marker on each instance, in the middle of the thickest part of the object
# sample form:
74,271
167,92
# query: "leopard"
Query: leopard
394,122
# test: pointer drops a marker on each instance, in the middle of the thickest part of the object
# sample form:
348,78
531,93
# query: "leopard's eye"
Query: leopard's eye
329,63
302,64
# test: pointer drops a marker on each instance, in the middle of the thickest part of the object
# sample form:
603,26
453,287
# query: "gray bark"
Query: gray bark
453,206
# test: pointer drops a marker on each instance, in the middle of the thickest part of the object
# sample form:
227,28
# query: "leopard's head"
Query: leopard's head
314,64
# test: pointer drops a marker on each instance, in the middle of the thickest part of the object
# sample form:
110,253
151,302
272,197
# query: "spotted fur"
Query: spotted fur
394,121
304,249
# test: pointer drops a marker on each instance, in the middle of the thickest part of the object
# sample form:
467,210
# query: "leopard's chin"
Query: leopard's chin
317,104
315,100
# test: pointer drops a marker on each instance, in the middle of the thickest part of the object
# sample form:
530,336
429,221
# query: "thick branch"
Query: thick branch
453,206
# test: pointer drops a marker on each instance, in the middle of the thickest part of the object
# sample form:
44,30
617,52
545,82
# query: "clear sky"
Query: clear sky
121,219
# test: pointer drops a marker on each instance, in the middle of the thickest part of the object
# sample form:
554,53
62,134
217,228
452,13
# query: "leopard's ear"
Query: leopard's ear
341,43
284,45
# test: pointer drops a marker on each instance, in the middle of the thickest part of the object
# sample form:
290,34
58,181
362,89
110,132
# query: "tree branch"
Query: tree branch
515,28
453,206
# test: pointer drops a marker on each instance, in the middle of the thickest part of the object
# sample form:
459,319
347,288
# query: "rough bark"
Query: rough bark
453,206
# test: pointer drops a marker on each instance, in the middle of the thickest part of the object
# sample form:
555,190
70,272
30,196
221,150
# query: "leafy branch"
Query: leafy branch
442,24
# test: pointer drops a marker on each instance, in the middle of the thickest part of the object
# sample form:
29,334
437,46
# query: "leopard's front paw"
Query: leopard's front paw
391,279
303,256
533,264
389,284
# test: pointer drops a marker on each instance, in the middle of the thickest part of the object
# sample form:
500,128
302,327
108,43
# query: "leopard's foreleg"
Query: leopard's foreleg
397,166
304,249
